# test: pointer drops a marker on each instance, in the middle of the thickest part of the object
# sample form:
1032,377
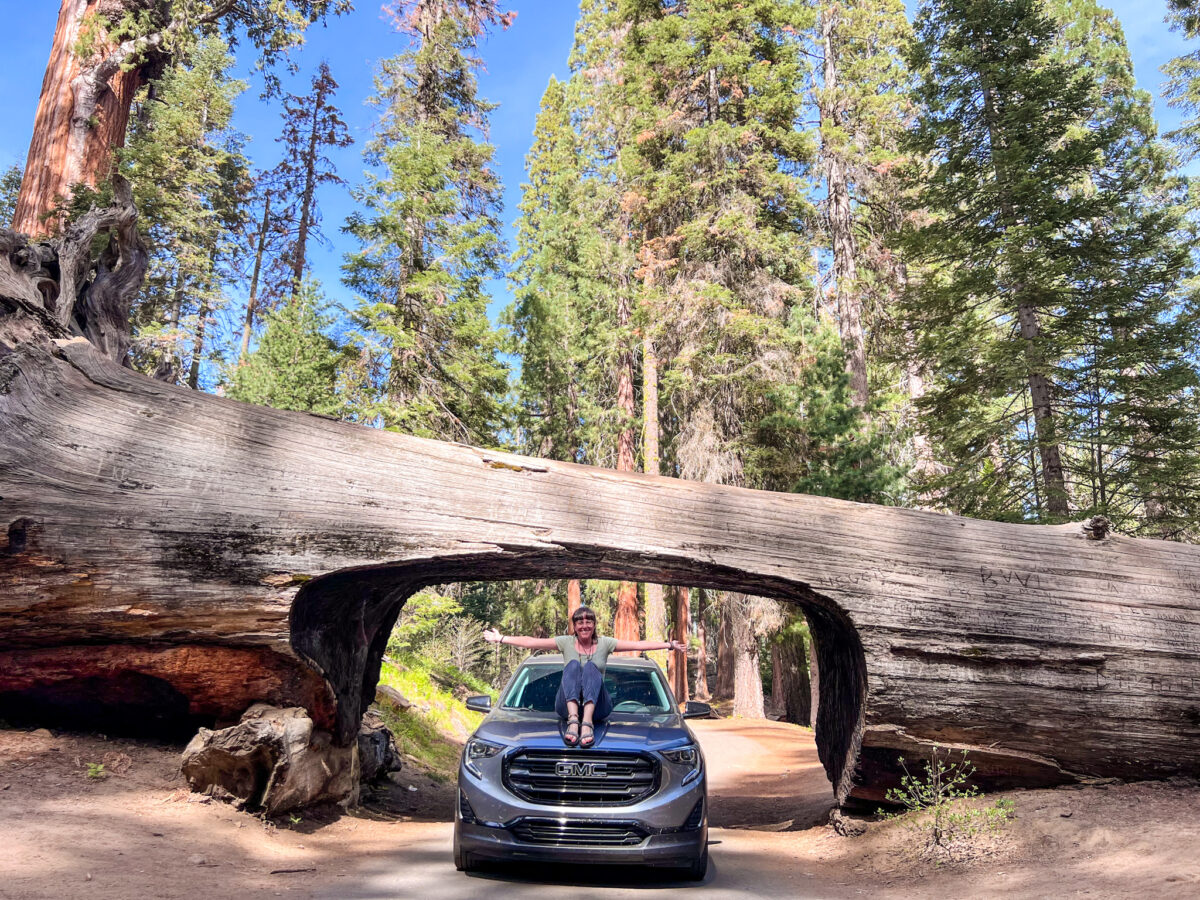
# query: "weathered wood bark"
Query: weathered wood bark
187,546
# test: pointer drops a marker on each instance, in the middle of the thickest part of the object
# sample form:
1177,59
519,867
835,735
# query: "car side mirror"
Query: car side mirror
694,709
480,704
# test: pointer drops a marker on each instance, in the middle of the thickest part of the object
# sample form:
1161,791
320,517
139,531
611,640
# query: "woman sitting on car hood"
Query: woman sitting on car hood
585,654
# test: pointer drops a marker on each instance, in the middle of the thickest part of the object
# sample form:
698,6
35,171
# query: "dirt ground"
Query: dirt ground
70,829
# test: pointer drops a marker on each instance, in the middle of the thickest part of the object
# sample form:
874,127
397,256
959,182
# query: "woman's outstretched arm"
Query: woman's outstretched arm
650,645
493,636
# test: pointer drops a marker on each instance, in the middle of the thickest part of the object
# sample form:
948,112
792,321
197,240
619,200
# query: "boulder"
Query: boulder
274,760
377,754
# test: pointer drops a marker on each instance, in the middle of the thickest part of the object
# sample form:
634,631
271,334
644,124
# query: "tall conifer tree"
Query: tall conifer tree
1053,264
312,125
190,184
430,237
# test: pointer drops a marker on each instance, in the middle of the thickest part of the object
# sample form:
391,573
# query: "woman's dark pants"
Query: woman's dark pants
583,684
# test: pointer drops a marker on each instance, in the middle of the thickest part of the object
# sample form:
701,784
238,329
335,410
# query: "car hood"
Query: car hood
544,730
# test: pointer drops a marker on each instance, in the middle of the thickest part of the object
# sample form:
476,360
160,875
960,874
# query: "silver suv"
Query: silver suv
638,795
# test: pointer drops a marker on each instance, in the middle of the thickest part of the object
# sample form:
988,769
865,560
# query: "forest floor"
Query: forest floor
71,829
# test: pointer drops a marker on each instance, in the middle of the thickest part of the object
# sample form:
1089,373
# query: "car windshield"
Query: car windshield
639,691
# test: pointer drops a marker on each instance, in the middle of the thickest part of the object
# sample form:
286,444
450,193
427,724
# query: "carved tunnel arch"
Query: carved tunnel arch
341,622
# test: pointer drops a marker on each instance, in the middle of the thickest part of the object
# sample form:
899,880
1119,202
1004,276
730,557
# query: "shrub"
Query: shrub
932,797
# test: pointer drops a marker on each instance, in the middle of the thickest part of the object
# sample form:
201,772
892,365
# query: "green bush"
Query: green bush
934,797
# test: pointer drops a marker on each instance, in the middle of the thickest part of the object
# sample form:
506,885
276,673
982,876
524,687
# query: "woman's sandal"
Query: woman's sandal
586,740
571,738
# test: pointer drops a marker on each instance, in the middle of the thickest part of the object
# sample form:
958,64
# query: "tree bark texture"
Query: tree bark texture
82,116
702,691
677,672
175,551
723,684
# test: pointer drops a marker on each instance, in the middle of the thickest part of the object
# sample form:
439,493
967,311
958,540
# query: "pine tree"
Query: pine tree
190,184
312,125
430,236
545,316
295,365
1183,76
1054,263
862,105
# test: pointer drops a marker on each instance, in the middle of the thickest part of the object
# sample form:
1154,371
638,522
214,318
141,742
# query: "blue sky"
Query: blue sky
519,63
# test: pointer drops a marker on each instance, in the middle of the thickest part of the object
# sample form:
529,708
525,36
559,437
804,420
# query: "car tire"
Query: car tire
698,869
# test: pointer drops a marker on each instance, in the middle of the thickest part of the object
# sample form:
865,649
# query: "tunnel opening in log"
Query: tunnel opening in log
127,703
340,624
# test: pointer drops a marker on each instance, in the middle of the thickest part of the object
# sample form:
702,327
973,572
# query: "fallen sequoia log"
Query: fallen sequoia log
173,557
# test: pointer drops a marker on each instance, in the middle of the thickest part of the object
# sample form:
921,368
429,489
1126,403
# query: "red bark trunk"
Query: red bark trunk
626,621
78,124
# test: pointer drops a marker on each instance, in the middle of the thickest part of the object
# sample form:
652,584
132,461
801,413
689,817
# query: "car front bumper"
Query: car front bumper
484,842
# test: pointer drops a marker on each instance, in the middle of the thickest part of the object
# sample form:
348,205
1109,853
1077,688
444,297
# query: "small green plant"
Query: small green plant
96,770
932,797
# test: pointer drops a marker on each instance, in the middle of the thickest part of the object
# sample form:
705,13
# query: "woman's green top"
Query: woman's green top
599,656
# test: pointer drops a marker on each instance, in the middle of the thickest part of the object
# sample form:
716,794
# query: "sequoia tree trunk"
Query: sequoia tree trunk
177,557
82,116
626,621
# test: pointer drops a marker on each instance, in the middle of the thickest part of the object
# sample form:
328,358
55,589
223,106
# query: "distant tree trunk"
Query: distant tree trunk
841,220
300,257
252,303
677,670
1041,391
723,689
791,687
193,380
702,692
82,115
656,609
625,621
747,680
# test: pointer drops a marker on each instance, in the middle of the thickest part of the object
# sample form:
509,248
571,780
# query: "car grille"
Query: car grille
581,779
577,833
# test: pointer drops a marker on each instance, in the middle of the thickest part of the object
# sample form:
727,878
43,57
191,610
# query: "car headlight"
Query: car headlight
477,749
687,757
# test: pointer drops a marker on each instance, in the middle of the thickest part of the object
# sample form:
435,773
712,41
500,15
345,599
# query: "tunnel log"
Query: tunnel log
239,554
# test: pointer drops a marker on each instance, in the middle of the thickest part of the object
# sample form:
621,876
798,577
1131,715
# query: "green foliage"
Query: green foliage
190,183
433,729
932,801
170,30
295,365
430,237
10,189
816,440
96,771
1050,302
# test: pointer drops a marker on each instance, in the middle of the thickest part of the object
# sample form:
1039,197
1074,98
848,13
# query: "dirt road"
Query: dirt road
132,830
